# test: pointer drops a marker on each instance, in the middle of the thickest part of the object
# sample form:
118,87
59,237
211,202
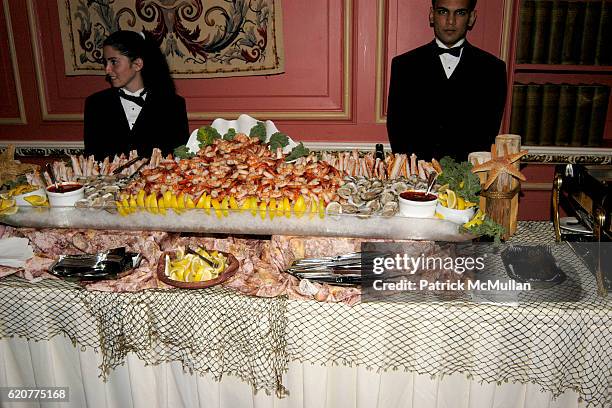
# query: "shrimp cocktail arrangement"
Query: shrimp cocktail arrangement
267,176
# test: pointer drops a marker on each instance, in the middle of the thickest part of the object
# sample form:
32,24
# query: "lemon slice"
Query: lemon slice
183,263
206,275
177,273
36,200
189,276
198,263
7,207
460,203
452,199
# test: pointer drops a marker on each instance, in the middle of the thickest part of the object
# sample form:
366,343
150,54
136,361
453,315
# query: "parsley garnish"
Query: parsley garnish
277,140
259,131
183,152
460,178
297,152
207,135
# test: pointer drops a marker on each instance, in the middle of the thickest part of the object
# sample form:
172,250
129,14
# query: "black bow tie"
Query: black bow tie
138,100
455,52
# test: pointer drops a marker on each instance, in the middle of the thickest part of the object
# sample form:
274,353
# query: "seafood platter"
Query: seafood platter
242,183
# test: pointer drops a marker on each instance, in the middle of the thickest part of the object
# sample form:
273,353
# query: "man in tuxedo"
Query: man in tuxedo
446,97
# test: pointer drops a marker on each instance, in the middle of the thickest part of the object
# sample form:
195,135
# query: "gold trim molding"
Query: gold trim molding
21,120
345,114
380,60
504,50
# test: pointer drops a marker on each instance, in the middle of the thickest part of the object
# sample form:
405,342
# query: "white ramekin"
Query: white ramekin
66,199
418,209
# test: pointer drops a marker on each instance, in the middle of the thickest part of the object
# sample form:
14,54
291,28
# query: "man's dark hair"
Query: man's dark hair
471,7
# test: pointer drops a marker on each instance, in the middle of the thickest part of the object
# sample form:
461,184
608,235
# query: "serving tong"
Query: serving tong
346,269
54,181
214,263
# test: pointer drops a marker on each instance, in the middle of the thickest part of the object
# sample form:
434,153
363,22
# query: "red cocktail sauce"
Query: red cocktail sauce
65,188
417,196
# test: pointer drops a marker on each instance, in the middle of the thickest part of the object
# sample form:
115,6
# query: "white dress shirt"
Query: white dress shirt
132,109
450,62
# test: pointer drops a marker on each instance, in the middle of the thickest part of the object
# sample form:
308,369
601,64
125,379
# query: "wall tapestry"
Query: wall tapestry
201,38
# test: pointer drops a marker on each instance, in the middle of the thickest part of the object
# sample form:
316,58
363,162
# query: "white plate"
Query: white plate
574,225
20,199
243,124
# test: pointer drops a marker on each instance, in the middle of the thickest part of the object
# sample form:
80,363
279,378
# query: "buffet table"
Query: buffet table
215,347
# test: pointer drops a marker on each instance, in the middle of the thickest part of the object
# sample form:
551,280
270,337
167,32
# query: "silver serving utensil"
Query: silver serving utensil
431,179
135,173
126,165
212,262
49,170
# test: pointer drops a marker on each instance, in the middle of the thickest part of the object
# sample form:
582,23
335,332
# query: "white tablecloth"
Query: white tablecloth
57,363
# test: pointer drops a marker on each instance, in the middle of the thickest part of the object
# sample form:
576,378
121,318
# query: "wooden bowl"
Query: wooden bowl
230,270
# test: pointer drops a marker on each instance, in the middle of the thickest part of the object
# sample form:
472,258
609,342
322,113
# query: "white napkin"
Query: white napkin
14,252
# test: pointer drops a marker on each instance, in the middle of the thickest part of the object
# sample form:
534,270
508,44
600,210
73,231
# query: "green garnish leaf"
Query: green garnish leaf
259,131
207,135
488,228
230,135
460,178
277,140
297,152
183,152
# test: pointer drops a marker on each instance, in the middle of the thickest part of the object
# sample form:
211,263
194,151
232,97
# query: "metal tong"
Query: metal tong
339,269
128,164
209,261
51,173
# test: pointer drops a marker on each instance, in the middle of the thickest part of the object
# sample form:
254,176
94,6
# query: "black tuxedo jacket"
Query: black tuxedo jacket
162,123
433,116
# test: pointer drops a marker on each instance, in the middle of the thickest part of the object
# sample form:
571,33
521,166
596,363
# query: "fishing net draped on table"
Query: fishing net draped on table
559,346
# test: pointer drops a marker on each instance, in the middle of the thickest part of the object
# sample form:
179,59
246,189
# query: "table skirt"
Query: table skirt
57,362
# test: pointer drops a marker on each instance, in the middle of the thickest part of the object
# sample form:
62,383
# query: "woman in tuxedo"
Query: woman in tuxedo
141,110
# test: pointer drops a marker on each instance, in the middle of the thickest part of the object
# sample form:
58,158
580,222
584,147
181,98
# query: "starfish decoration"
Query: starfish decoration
500,164
11,168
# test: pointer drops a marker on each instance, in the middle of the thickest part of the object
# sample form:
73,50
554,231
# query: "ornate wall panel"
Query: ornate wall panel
11,103
315,86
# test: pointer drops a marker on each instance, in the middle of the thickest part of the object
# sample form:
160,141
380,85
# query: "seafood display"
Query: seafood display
102,191
372,196
257,182
393,166
242,173
84,169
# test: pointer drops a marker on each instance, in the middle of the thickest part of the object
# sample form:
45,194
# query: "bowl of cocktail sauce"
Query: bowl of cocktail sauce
418,204
65,194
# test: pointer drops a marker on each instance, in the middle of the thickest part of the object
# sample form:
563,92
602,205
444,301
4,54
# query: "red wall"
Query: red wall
334,88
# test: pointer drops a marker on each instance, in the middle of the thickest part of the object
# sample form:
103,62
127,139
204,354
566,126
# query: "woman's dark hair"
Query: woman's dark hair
155,71
471,7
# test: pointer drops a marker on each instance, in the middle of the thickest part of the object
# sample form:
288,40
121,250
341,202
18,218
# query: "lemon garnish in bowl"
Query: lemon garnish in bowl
451,199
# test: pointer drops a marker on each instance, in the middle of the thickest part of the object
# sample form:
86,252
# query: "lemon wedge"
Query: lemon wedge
7,206
36,200
451,199
140,198
189,202
299,207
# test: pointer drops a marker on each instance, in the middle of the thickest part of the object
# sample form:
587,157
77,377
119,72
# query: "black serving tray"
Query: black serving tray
532,264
